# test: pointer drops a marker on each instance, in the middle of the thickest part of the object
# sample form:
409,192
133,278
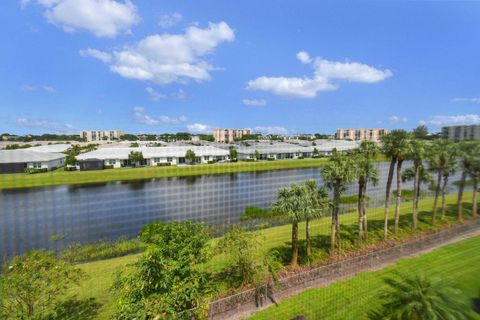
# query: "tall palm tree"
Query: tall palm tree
394,147
337,174
438,157
290,203
475,176
366,173
469,151
420,298
451,164
317,201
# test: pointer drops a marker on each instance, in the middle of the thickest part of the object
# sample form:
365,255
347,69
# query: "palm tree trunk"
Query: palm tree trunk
307,236
335,233
437,194
399,195
360,210
416,185
475,197
387,196
461,187
444,191
364,213
294,261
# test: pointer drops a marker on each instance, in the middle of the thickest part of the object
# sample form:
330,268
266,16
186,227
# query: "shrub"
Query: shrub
249,160
70,168
301,157
164,164
35,170
252,213
211,162
271,159
101,250
108,166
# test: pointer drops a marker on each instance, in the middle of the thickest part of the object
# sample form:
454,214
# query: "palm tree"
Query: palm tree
366,173
468,153
439,154
289,203
337,175
317,202
394,146
417,298
451,163
475,176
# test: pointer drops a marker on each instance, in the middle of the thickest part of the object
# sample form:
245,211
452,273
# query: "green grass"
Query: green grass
354,298
100,273
61,177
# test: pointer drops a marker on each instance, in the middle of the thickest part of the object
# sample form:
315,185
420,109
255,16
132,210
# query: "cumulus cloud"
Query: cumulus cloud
465,119
397,119
46,124
157,96
97,54
169,20
199,128
38,88
166,58
103,18
468,100
255,102
271,130
139,116
326,75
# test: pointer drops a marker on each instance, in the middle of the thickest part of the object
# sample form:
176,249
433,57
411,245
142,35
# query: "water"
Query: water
33,218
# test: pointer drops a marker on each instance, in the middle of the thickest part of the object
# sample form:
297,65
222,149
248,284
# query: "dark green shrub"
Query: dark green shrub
101,250
35,170
108,166
164,164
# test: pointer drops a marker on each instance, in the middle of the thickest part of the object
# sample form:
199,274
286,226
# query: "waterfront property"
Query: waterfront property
152,156
16,161
461,133
229,135
370,134
101,135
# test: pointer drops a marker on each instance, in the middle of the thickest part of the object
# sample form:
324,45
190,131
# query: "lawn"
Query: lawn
61,177
458,263
100,273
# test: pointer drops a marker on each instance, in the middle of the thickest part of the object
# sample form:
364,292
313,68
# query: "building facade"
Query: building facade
369,134
461,133
229,135
101,135
16,161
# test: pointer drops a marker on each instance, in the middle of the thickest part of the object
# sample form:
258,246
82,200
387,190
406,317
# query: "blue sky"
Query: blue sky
273,66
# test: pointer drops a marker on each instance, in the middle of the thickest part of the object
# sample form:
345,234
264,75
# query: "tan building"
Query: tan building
460,133
370,134
101,135
229,135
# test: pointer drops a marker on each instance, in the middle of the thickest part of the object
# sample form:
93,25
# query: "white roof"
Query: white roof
302,146
152,152
51,148
25,155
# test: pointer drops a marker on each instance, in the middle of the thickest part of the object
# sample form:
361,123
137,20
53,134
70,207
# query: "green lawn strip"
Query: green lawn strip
61,177
355,297
101,273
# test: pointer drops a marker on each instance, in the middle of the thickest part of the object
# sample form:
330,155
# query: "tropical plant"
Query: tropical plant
475,176
366,173
32,284
395,147
233,153
316,203
190,156
420,298
135,157
337,174
257,155
469,152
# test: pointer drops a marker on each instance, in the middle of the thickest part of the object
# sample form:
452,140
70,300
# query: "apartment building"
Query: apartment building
101,135
229,135
461,133
370,134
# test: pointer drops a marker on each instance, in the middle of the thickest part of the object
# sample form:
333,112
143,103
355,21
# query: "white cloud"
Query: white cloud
199,128
154,95
24,3
397,119
169,20
97,54
468,100
139,116
465,119
104,18
271,130
255,102
167,58
46,124
179,95
38,88
325,73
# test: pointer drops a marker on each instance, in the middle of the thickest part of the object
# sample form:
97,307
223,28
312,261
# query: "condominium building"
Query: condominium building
101,135
460,133
229,135
370,134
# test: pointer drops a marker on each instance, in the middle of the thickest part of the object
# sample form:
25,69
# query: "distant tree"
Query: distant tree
257,155
316,153
420,132
134,145
190,156
104,138
207,137
321,136
129,137
233,153
135,158
418,297
32,284
71,160
183,136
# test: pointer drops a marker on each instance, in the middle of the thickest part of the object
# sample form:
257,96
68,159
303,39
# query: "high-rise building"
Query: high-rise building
461,133
229,135
370,134
101,135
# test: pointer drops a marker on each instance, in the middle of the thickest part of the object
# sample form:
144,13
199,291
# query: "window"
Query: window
37,165
206,158
112,162
169,159
156,160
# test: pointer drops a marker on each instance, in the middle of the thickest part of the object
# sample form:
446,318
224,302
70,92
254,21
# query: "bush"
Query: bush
108,166
271,159
101,250
35,170
164,164
70,168
249,160
252,213
211,162
301,157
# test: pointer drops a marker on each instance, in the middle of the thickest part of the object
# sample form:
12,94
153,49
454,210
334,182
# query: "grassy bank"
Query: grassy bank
101,273
354,298
61,177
